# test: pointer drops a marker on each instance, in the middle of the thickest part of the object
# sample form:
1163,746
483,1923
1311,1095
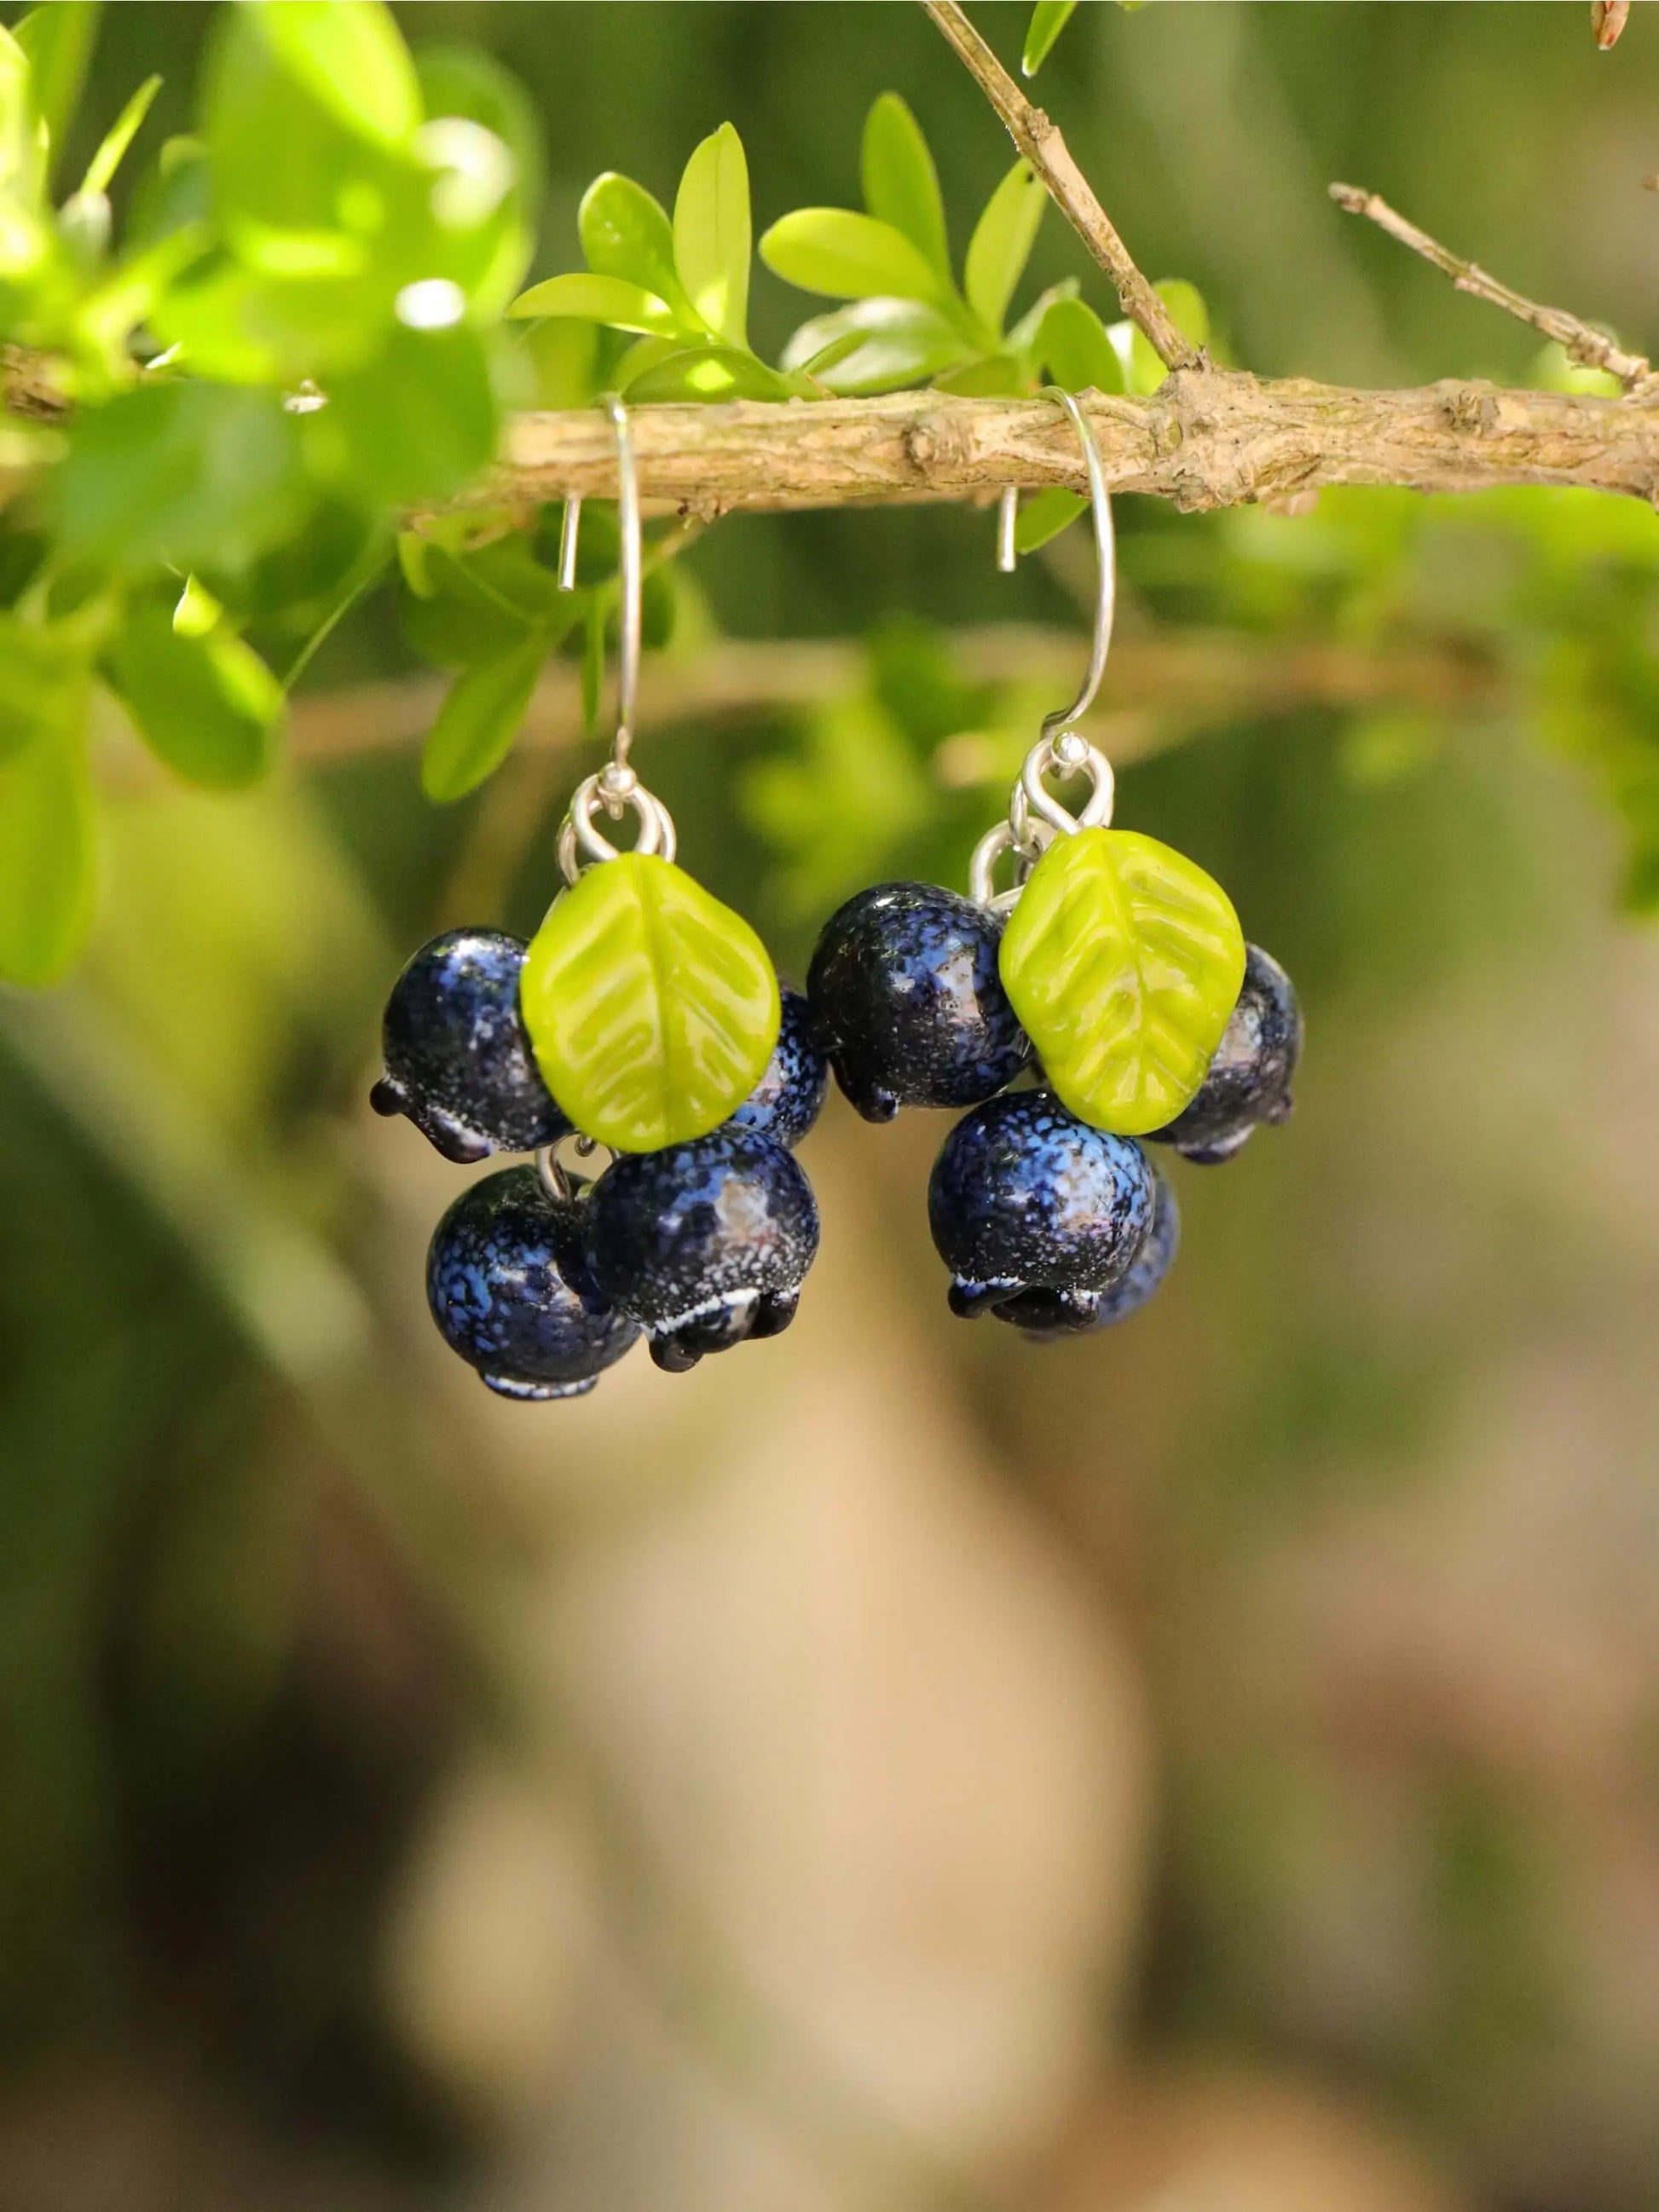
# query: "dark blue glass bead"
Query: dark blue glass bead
1025,1196
1045,1313
908,1003
510,1291
1249,1078
458,1060
789,1097
706,1243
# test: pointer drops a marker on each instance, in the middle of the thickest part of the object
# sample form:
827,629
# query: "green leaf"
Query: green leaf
478,605
47,855
201,476
712,240
1001,243
1073,343
1048,18
418,423
1123,961
610,300
112,151
875,345
901,184
626,232
22,146
58,39
479,719
43,682
1046,516
349,56
653,1009
1190,317
203,702
708,373
850,257
466,80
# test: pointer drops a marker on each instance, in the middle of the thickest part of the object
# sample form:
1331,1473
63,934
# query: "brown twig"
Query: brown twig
1608,19
1591,346
1040,140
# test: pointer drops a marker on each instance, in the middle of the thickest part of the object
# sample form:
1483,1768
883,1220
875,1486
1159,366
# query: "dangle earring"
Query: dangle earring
644,1017
1115,968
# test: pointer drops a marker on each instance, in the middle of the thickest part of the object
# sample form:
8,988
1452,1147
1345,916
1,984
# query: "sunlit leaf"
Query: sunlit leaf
479,719
708,373
1190,317
1123,961
1001,243
101,170
901,184
626,232
875,345
47,856
599,300
58,39
1048,18
1073,344
712,241
350,56
850,257
205,702
653,1008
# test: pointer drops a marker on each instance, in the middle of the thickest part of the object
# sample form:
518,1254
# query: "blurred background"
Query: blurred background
1213,1767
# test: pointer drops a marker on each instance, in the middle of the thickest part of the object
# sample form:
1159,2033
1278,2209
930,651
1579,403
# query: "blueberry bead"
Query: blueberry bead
1249,1078
1045,1313
705,1243
789,1097
908,1003
510,1291
458,1060
1025,1196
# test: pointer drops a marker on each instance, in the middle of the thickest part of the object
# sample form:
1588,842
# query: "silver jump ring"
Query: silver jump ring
580,839
1066,754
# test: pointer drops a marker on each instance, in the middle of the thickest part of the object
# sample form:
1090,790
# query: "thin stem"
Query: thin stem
1039,140
1582,342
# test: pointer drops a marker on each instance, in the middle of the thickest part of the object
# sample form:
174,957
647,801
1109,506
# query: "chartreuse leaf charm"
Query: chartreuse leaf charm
1123,961
651,1008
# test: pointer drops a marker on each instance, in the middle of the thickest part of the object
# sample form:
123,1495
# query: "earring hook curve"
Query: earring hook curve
1100,502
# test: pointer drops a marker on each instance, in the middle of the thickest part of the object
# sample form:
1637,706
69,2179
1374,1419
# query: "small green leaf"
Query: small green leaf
43,682
416,424
479,719
58,39
995,376
901,184
205,703
875,345
1073,343
653,1009
712,241
850,257
1048,18
708,373
1123,961
1190,317
1046,516
1001,243
610,300
626,232
350,57
101,170
47,855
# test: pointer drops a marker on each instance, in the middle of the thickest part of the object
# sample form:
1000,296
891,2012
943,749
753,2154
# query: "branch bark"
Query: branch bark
1039,140
1207,438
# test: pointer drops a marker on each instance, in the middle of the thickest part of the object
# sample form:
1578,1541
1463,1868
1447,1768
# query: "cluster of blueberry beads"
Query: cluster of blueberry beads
541,1282
1052,1225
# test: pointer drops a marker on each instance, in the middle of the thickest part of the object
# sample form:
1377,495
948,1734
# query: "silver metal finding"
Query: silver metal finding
561,1184
616,788
1100,501
1007,524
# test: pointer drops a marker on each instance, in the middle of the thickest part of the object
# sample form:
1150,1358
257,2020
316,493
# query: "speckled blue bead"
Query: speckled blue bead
908,1003
458,1060
705,1244
1025,1196
510,1291
789,1097
1249,1078
1045,1313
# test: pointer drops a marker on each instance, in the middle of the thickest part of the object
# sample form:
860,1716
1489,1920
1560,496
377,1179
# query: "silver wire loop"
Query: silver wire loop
1100,502
1069,754
580,839
616,788
562,1186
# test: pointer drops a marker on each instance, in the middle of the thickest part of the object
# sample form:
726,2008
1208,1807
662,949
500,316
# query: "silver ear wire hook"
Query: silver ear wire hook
1100,502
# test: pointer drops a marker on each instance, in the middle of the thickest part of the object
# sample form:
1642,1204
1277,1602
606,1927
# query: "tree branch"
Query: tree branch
1582,342
1040,140
1214,438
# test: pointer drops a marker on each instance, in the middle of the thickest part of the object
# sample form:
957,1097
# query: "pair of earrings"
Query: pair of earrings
646,1017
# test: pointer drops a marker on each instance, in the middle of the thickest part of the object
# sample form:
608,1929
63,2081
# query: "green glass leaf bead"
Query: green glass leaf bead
1123,961
651,1008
